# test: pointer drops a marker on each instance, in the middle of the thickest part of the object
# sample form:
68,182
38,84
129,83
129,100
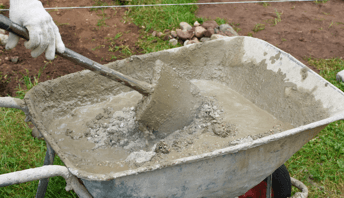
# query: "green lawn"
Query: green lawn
320,163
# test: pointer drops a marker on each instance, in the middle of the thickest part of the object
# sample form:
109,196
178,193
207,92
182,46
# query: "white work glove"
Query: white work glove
44,34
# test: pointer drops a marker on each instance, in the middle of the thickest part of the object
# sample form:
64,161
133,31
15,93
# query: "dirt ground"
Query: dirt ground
80,33
304,29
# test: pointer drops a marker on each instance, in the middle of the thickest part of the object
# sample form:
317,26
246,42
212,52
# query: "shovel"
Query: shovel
168,104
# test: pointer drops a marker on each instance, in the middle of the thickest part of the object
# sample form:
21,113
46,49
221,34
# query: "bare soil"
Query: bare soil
80,33
306,29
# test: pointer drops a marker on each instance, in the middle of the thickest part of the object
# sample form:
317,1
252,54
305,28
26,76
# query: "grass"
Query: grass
162,17
220,21
320,162
258,27
19,151
159,19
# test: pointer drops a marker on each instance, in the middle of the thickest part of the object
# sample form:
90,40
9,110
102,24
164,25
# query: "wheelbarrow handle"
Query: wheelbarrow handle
142,87
33,174
10,102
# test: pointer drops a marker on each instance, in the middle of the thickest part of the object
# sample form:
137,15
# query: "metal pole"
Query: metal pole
43,183
269,185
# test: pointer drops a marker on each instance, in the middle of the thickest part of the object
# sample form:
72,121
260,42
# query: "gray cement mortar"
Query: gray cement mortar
265,88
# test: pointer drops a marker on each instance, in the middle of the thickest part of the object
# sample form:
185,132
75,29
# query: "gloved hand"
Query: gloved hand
44,34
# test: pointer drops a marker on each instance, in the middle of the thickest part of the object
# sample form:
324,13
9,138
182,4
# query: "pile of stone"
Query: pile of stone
188,34
3,37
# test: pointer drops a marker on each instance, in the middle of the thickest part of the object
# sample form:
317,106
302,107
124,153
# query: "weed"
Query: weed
283,39
264,4
330,25
278,15
250,34
236,26
292,7
113,48
98,47
220,21
118,35
320,1
126,50
258,27
101,22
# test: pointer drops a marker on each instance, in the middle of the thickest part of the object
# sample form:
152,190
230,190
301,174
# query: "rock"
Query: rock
209,32
340,76
205,39
36,134
154,33
195,40
138,158
210,24
185,26
221,33
3,39
6,58
196,24
216,36
159,34
199,31
228,30
162,147
189,42
2,31
216,30
174,34
143,27
15,59
167,37
185,35
173,41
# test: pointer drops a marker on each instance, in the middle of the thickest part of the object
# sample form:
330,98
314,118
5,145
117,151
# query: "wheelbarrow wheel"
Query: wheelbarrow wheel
281,185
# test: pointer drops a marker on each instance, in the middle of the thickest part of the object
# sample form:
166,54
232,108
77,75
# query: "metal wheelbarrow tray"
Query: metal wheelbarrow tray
270,78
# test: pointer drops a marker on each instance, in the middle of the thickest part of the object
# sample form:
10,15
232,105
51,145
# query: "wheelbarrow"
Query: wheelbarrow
270,78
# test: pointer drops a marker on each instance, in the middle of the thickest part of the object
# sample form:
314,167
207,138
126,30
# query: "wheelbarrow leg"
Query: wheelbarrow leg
43,183
269,185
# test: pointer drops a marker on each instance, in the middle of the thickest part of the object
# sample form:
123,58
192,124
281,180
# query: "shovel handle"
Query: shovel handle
140,86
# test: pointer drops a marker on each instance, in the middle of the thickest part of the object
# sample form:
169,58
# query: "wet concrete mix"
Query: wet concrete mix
107,134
